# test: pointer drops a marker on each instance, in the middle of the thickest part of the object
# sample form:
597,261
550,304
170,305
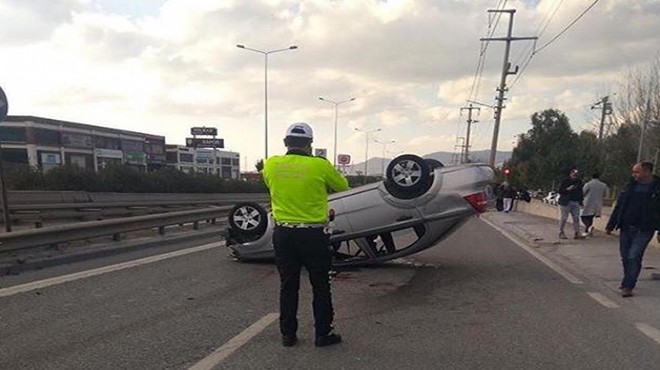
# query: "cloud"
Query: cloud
409,64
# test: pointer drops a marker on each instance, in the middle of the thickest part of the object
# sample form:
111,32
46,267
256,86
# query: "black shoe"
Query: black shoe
626,292
289,340
327,340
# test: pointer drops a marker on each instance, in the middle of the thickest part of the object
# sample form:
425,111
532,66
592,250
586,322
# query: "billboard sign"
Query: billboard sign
204,131
205,143
343,159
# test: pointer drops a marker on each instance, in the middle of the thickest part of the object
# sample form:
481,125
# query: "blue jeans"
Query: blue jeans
574,209
632,244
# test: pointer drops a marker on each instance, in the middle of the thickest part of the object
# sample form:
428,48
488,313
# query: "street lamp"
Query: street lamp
334,159
265,53
366,150
382,163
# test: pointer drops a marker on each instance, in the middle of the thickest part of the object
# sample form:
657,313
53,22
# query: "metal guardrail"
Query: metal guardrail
54,235
121,205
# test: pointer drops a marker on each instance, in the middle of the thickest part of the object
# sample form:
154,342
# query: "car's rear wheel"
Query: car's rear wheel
248,218
408,176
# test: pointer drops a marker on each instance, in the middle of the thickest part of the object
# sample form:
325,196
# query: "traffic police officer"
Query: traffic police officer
298,184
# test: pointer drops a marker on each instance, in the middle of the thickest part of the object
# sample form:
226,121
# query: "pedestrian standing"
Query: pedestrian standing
637,216
594,192
298,183
508,194
570,201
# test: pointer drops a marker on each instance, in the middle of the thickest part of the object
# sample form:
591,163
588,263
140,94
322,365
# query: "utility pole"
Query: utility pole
606,109
456,158
469,121
506,70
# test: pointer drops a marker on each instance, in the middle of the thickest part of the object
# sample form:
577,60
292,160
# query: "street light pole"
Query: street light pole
265,53
366,150
382,163
334,159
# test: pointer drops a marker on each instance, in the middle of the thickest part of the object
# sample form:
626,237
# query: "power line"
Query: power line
543,25
567,27
549,19
536,51
476,82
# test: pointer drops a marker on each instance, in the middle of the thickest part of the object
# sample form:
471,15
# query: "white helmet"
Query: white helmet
300,129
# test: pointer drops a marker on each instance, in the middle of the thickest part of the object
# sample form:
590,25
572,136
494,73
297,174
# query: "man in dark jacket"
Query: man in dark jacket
570,201
637,216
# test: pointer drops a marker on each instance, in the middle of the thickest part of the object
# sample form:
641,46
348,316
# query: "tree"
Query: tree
638,103
259,165
546,153
619,155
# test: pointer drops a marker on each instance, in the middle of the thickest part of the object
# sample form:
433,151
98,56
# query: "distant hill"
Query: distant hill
376,165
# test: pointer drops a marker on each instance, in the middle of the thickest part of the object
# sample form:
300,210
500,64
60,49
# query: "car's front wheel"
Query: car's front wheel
248,218
408,176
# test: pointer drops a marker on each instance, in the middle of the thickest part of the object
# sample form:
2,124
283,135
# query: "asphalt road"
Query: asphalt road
476,301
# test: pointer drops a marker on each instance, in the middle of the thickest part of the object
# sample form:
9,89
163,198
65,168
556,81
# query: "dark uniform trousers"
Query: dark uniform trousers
294,248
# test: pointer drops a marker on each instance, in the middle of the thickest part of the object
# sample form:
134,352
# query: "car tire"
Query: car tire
408,176
248,218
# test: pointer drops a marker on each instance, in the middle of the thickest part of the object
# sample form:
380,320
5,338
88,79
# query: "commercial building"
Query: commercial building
46,143
219,162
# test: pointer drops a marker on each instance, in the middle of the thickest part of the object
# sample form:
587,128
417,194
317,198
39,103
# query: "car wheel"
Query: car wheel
248,218
408,176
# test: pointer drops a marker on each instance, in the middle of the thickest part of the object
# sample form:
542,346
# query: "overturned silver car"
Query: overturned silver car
418,204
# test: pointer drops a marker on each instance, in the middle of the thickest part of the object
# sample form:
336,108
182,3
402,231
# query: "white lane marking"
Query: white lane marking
650,331
568,276
600,298
235,343
102,270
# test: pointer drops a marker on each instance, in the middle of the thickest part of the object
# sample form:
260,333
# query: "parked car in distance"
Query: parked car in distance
538,194
552,198
419,203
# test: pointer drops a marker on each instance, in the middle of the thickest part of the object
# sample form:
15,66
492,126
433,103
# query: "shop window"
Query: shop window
76,140
132,146
46,137
171,157
10,155
12,134
85,161
186,158
103,142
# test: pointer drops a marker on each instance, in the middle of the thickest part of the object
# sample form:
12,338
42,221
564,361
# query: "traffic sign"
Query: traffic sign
4,105
205,143
343,159
209,131
320,152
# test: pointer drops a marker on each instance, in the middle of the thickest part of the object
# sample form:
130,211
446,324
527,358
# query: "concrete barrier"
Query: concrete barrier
538,208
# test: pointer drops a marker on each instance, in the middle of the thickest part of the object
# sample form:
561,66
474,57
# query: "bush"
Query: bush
124,179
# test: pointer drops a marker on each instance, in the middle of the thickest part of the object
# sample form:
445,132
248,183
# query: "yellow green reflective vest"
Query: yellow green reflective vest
298,186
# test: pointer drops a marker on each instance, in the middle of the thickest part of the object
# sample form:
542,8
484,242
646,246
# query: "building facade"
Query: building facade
46,143
225,164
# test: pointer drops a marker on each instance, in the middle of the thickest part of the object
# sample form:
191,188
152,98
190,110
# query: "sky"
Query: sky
164,66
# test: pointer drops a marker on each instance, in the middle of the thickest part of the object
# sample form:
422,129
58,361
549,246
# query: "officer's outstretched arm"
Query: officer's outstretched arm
335,180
